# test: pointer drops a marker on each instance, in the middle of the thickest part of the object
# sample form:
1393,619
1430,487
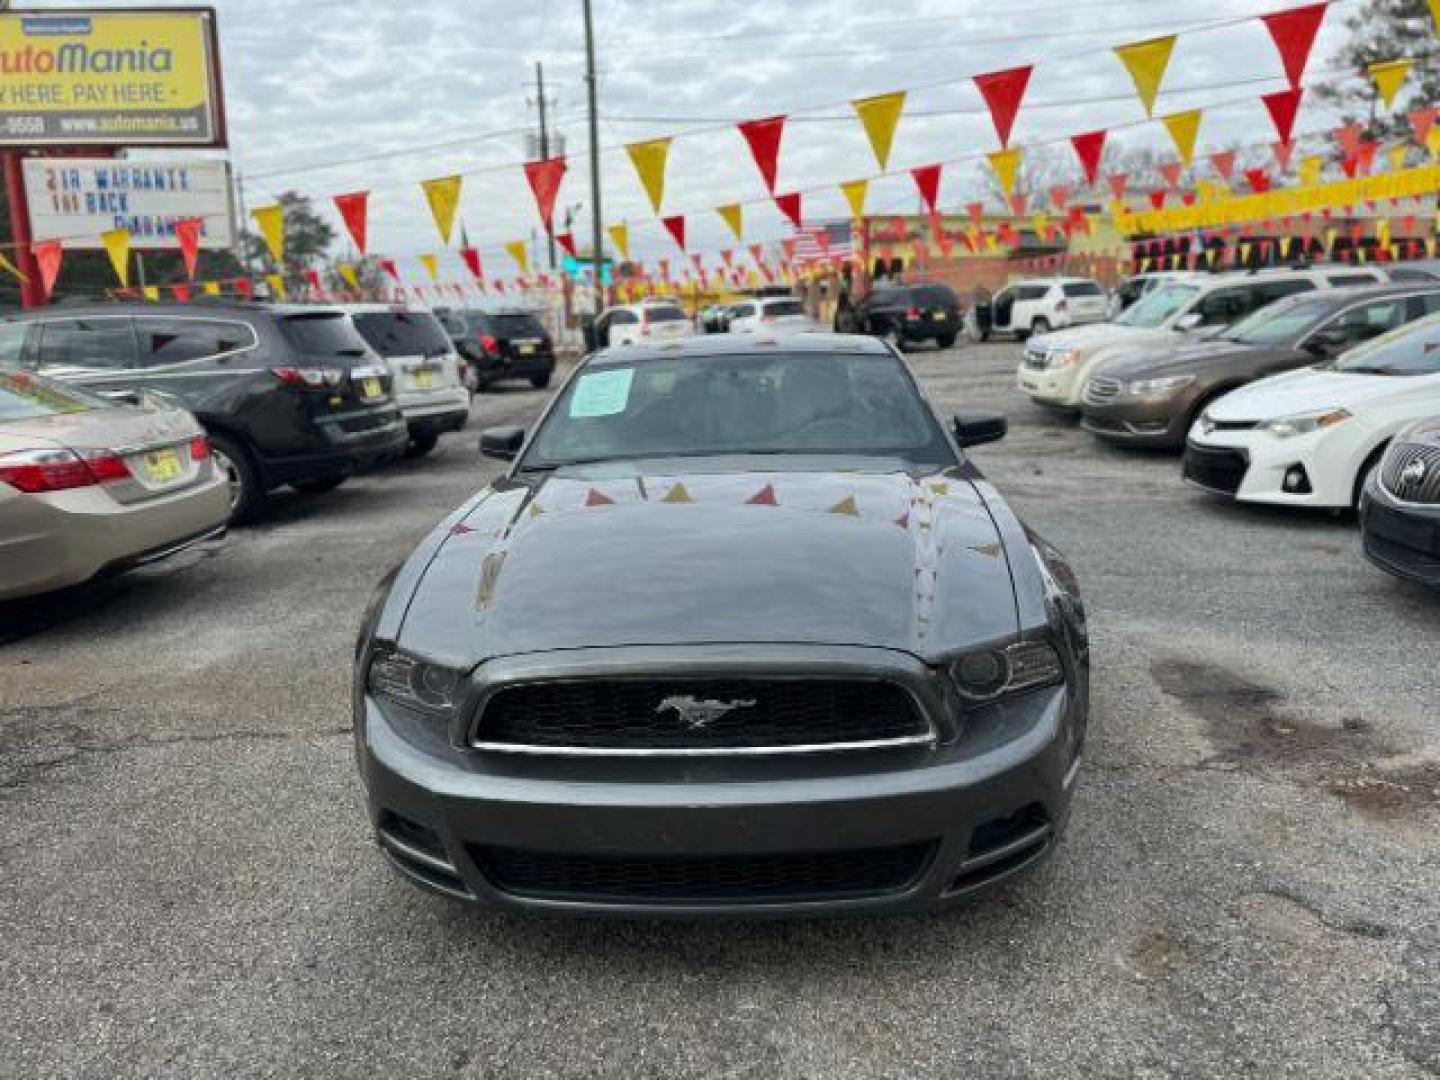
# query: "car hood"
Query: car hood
1176,359
1306,390
1101,335
885,560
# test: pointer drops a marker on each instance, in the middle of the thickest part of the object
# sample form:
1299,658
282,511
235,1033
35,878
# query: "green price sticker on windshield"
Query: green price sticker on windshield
601,393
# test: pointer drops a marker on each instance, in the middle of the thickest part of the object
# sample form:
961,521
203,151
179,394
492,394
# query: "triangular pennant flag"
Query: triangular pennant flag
567,243
789,205
1422,120
879,116
855,192
1017,204
1089,148
763,137
764,497
1157,198
1283,106
349,276
927,182
390,268
649,159
1184,128
151,293
1146,62
1294,33
1435,14
678,494
1119,183
545,178
675,226
431,265
1003,91
847,506
210,288
1397,157
1283,152
48,255
517,250
1060,196
182,293
271,220
1006,164
596,497
1310,169
1224,162
620,237
443,195
1389,77
117,246
1170,172
1258,179
277,286
354,212
187,233
734,216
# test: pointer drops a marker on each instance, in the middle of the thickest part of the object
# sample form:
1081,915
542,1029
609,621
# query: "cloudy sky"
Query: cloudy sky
424,88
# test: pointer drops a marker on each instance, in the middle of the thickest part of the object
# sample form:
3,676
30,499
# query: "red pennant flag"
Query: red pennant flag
471,257
789,248
187,232
664,269
1170,172
1060,195
789,205
675,226
1283,106
354,210
1349,138
48,256
1283,153
764,138
1365,157
313,278
1003,92
727,256
595,497
182,293
1157,198
1224,162
764,497
757,252
1017,204
1294,33
1421,121
243,288
927,182
977,213
1258,179
388,265
1119,181
1188,198
545,177
1089,148
567,243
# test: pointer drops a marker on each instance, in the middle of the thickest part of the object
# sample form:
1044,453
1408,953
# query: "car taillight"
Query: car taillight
309,378
489,344
36,471
199,448
913,314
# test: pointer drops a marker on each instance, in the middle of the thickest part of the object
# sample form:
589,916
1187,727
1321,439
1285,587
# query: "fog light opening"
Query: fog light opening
1297,481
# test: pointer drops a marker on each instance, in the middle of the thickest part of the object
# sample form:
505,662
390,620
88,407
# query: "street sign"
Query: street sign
137,77
74,200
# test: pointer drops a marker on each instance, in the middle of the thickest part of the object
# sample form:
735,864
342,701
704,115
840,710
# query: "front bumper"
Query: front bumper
1400,538
1058,387
969,813
1148,422
1259,462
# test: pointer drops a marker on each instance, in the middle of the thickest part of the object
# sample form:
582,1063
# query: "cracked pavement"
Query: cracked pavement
1248,888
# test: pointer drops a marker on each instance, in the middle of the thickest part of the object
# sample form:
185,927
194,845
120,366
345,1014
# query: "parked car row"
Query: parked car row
130,431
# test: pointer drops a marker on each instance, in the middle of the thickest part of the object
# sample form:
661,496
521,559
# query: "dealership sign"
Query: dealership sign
109,78
74,200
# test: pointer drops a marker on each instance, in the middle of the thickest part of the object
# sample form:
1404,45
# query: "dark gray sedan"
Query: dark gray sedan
1154,398
742,631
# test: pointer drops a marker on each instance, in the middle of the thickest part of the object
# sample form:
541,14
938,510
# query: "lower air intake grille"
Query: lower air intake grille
825,875
1218,470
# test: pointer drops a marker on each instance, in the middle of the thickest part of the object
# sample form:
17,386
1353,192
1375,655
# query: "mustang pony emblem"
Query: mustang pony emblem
697,714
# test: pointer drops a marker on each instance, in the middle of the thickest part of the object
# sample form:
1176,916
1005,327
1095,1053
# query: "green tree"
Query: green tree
1386,30
307,240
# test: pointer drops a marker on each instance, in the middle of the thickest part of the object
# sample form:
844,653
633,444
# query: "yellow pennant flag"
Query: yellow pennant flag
1331,235
1389,76
518,252
1432,142
443,195
880,116
1245,254
1184,127
117,246
432,266
211,288
734,216
620,237
277,285
1006,164
151,293
1435,14
649,159
348,275
855,192
10,268
1146,61
271,220
1310,169
1382,233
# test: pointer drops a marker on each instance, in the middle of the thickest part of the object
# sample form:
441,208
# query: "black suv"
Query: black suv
509,344
904,314
289,395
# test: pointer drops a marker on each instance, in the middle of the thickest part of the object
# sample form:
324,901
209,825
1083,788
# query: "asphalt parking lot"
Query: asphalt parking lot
1250,886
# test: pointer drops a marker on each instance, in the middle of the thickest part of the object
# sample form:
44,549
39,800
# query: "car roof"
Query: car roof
714,345
383,309
196,310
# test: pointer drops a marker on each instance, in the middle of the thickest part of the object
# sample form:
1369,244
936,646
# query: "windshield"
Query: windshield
516,324
775,309
1153,310
1279,322
734,405
403,333
28,397
664,313
1408,350
324,333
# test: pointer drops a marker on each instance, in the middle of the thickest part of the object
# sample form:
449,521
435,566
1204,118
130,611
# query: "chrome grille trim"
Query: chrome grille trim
1402,456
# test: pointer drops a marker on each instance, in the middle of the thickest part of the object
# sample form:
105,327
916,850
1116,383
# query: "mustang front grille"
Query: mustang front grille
699,716
821,875
1412,472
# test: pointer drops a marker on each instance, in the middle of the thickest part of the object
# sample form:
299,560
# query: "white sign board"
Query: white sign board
74,200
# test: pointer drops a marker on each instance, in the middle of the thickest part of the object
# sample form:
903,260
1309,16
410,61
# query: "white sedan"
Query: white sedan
775,315
1311,437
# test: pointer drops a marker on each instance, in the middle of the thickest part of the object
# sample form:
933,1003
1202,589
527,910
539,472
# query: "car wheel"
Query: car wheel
1040,326
420,445
247,494
320,485
945,341
540,382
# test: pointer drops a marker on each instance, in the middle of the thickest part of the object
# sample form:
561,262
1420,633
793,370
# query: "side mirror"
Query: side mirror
1189,321
978,428
1326,342
502,442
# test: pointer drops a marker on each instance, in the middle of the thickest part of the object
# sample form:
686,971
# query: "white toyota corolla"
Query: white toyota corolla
1311,437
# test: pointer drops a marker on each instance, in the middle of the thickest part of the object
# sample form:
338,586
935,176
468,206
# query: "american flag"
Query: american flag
823,243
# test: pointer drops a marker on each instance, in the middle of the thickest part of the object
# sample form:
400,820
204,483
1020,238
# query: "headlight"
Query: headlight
1287,427
1057,358
414,683
992,673
1158,387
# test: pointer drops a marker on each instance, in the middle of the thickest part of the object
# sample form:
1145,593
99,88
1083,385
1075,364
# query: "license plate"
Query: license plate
938,316
526,350
162,466
423,379
371,388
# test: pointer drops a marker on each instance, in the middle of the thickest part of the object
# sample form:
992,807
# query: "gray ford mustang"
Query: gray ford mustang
742,631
